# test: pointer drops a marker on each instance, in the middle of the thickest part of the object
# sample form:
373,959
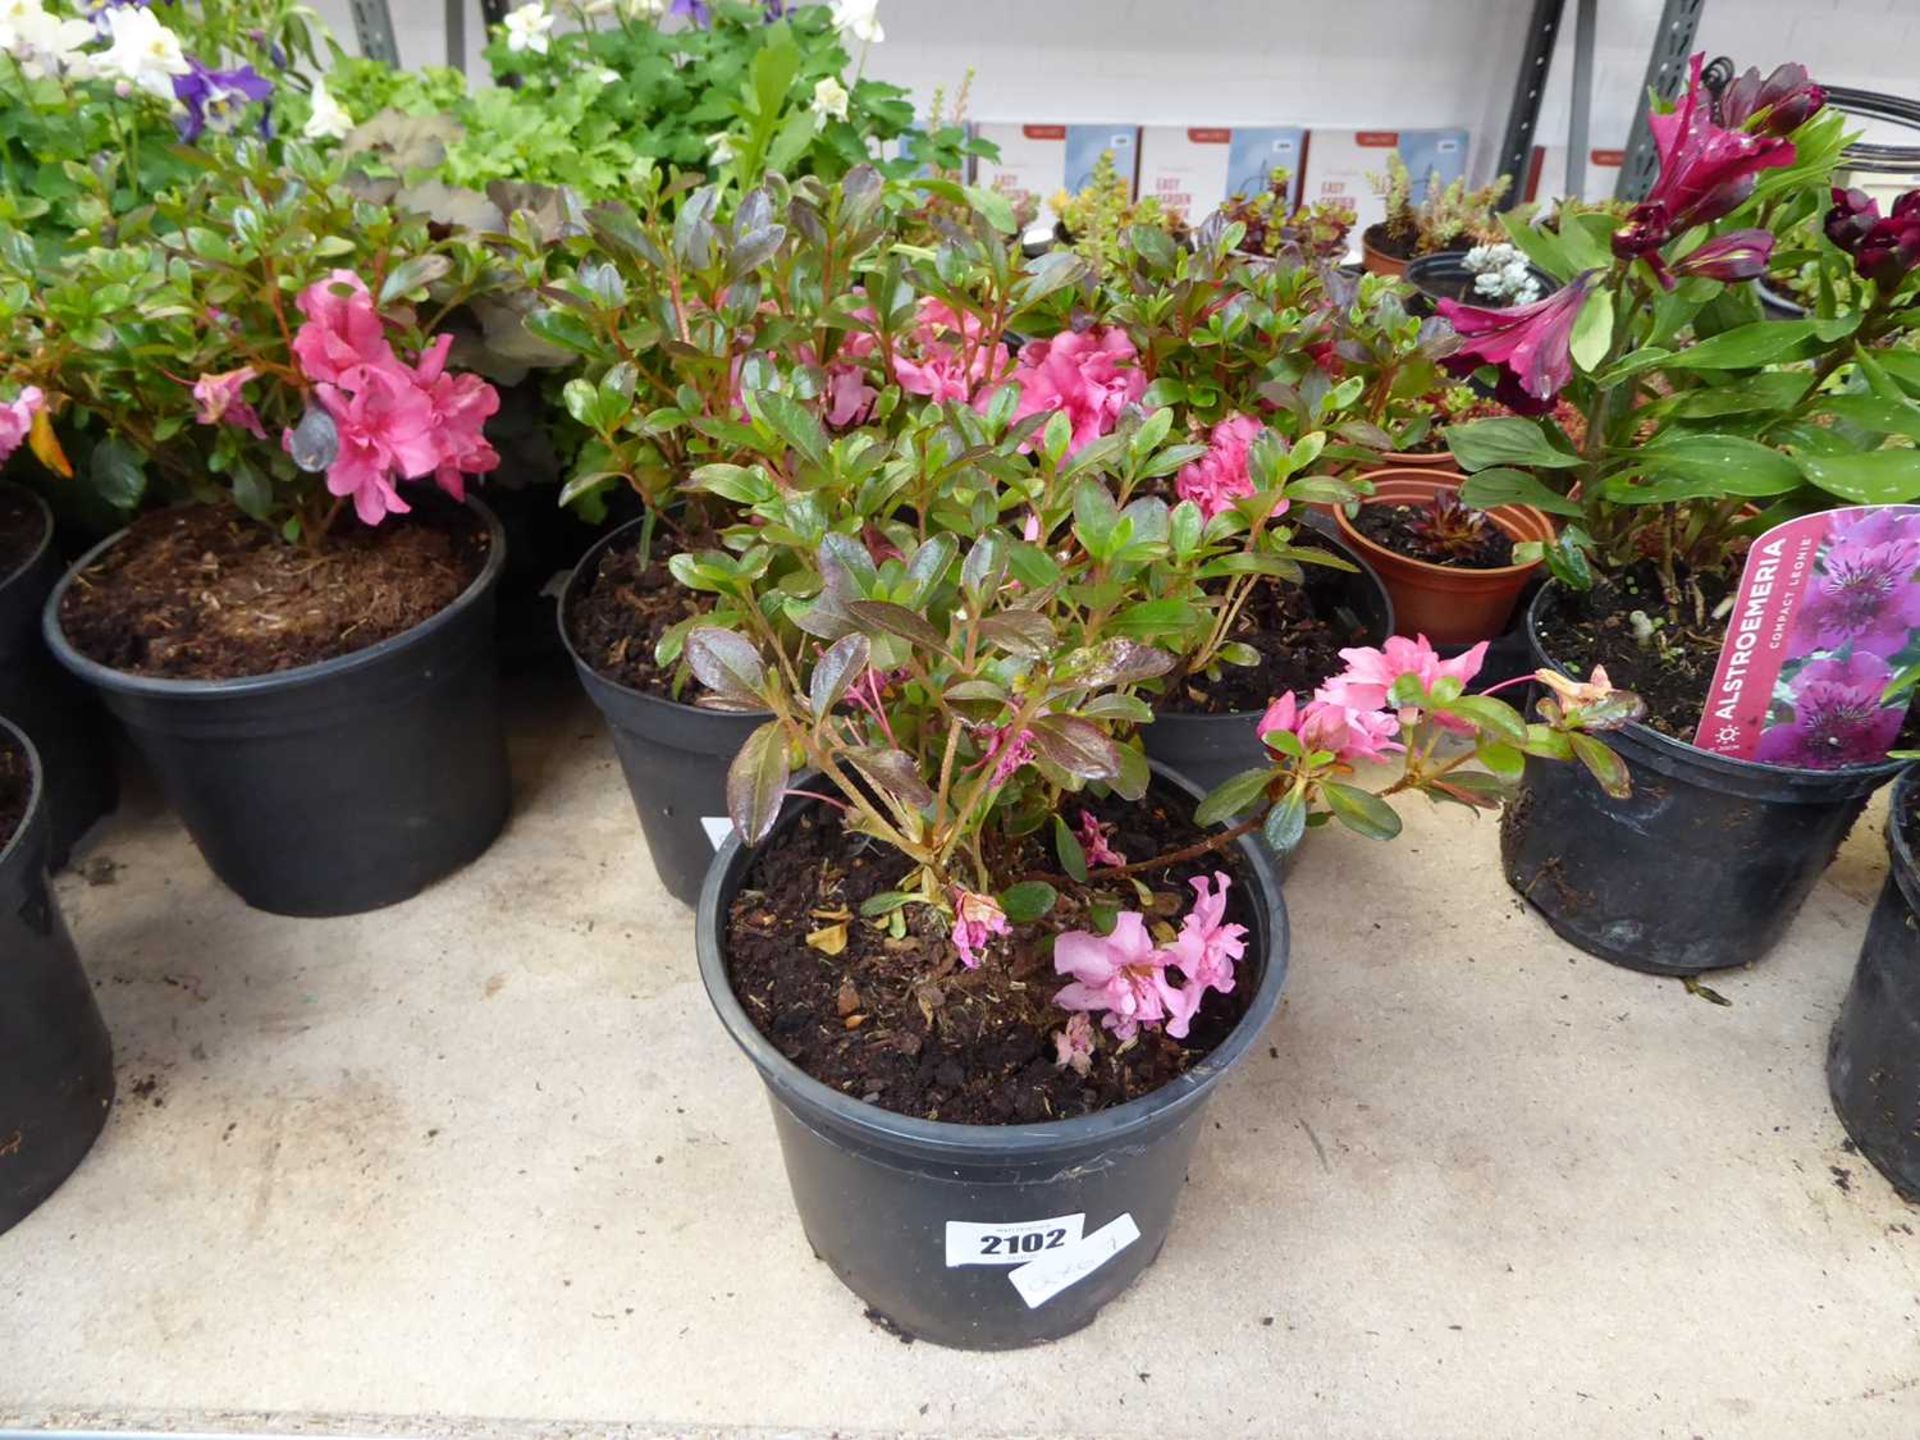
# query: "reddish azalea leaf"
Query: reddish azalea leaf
756,781
726,662
844,662
894,772
1019,632
1083,750
897,620
1605,766
1115,662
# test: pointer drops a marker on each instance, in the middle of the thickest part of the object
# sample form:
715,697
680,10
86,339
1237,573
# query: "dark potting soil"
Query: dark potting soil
1293,629
1393,527
203,593
899,1023
1581,631
16,787
23,525
620,612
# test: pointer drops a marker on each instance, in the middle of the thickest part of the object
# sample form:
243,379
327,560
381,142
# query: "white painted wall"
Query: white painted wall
1354,63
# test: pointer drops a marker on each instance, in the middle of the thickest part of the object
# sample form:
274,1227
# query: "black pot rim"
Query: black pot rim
997,1142
37,783
105,677
1684,753
1457,259
595,550
46,532
1899,844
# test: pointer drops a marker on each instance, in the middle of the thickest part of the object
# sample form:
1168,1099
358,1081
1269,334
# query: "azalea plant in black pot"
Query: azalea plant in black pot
1703,425
296,628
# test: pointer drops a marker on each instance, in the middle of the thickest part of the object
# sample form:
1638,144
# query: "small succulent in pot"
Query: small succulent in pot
1501,275
1447,527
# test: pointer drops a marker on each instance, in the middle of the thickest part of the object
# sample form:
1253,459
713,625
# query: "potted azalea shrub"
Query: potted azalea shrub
1697,414
105,106
1445,218
56,1061
257,348
990,961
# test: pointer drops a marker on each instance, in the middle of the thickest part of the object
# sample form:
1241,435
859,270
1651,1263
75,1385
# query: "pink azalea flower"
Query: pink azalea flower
1073,1044
849,397
1089,376
1208,947
461,405
343,333
1093,841
1371,673
217,399
1351,735
385,426
976,920
1534,342
1282,714
953,362
16,419
1219,478
1006,751
1121,974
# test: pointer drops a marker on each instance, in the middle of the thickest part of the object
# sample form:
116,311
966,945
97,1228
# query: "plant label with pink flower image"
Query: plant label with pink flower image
1827,612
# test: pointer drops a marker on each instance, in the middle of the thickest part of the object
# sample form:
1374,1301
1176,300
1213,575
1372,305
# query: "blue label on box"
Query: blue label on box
1257,151
1431,155
1086,143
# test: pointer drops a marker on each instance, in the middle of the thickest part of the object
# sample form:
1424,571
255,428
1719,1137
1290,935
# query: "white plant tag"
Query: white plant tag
1041,1279
1011,1242
718,827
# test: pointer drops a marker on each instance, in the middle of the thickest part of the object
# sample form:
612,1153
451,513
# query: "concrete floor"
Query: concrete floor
485,1164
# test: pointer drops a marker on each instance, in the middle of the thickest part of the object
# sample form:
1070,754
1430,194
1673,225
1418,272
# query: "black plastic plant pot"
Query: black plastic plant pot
675,756
1703,867
56,1062
1873,1057
56,711
989,1237
1776,304
335,788
1209,749
1444,275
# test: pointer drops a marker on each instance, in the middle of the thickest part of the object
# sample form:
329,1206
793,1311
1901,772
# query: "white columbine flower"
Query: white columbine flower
329,120
860,19
830,100
644,9
141,52
42,43
720,148
527,28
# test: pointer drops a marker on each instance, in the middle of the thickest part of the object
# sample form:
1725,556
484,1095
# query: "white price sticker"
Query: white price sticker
718,827
1044,1277
1010,1242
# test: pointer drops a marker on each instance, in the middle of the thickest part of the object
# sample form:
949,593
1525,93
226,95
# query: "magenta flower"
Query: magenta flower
954,364
217,401
1093,841
1705,171
1837,717
461,406
385,425
1351,732
1220,477
1073,1044
1089,376
1122,974
1370,675
1883,250
1737,255
1208,948
343,332
976,920
1777,105
1005,751
1864,596
16,419
1533,342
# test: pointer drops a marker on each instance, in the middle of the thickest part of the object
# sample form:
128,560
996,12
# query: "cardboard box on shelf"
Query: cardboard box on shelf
1032,163
1191,169
1339,163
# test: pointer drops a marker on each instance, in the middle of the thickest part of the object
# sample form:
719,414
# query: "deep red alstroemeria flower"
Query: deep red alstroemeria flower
1534,342
1883,250
1777,105
1736,255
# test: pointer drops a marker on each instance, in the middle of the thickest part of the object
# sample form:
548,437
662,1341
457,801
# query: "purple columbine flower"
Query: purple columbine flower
1837,717
697,12
214,98
1533,342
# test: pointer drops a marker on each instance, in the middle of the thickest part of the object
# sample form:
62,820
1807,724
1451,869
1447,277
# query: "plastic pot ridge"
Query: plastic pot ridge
878,1192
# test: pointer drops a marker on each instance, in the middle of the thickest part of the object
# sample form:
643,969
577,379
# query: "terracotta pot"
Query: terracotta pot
1447,604
1436,462
1376,260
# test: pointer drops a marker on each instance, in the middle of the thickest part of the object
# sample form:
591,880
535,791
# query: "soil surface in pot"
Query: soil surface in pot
898,1023
16,787
203,593
22,527
1394,526
1380,238
1293,628
620,612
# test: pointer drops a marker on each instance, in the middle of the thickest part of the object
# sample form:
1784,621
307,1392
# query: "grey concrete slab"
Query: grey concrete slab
484,1164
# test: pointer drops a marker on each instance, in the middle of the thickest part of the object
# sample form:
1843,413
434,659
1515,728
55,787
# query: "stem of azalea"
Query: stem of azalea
1212,843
